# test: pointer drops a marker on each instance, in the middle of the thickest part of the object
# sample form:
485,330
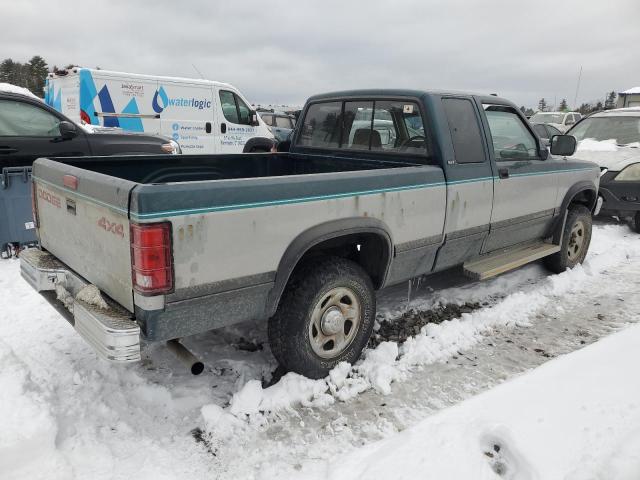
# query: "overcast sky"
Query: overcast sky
284,51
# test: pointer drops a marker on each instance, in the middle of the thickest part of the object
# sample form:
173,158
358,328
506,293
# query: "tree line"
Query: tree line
31,74
585,109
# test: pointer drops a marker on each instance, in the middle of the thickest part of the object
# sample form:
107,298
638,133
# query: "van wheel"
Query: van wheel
325,317
575,240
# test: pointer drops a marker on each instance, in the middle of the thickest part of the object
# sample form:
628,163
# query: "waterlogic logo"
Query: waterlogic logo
161,101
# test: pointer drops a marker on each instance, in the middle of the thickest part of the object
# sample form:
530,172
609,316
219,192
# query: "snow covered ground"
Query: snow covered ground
65,414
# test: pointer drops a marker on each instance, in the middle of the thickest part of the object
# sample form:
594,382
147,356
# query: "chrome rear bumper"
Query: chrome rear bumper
111,331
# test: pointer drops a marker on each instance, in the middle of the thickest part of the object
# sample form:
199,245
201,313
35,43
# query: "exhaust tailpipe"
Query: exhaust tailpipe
186,357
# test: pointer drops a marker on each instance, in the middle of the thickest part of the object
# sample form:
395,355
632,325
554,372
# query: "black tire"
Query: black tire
636,223
291,328
578,217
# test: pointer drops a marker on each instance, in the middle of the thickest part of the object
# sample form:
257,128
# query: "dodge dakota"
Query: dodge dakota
377,187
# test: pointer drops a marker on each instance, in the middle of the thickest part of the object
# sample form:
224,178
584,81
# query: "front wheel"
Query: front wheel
575,240
325,317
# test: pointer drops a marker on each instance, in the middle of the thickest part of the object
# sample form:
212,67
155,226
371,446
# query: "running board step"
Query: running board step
509,259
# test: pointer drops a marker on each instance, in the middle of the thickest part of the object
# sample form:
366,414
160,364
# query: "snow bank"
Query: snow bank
7,87
27,428
389,362
576,417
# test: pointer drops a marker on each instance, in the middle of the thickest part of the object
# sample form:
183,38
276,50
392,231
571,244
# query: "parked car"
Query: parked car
560,120
304,238
203,116
30,129
545,131
280,124
612,140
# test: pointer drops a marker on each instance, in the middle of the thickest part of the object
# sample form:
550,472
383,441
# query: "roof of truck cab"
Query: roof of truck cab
400,92
139,76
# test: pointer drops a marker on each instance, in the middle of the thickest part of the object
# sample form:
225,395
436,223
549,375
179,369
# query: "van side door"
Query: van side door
526,188
469,177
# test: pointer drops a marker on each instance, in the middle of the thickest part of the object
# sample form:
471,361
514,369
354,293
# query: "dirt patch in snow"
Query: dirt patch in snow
410,323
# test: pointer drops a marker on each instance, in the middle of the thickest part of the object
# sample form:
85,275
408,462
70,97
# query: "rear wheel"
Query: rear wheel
325,317
575,240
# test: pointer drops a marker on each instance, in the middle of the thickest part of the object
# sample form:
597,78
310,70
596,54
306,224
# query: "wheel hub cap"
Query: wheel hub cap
576,240
332,321
335,321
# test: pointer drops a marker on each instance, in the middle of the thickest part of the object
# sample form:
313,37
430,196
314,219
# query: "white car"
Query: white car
563,121
612,140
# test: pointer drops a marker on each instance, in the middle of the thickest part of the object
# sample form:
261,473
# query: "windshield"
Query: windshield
547,118
623,130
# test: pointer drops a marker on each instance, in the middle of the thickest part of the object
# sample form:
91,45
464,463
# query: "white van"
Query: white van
203,116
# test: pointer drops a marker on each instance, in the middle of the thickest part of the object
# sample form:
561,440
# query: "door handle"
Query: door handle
7,150
503,172
223,128
207,127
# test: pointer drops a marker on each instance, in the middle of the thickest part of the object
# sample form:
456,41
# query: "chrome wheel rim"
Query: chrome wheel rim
576,240
335,321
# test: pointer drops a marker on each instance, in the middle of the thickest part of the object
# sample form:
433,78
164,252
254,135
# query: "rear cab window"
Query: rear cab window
384,126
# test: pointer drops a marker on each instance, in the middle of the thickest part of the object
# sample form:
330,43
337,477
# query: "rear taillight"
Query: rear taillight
151,264
34,203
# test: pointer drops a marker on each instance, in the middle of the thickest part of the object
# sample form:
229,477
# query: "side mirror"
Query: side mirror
564,145
68,130
253,118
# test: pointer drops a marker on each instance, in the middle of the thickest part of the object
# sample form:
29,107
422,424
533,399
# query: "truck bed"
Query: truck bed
161,169
215,203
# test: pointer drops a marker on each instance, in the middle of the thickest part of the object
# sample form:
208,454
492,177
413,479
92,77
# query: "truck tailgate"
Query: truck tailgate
84,222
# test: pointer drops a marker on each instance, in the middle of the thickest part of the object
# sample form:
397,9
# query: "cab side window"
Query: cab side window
268,119
18,119
465,131
511,139
234,109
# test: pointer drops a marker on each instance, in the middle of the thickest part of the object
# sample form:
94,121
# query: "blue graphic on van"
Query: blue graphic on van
175,136
163,97
107,107
88,92
133,124
165,101
175,127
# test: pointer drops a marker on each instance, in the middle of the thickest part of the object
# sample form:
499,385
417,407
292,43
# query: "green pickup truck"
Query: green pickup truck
376,187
